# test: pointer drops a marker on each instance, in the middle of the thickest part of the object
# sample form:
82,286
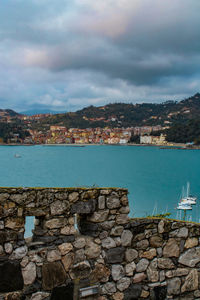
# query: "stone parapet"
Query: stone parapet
83,238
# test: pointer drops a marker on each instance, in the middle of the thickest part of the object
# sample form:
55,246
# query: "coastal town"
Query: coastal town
167,124
55,134
62,135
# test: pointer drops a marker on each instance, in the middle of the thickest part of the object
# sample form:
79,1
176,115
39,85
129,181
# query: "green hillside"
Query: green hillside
127,115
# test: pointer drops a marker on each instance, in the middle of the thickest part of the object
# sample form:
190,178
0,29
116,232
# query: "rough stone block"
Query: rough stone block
99,216
117,272
109,288
191,242
53,255
101,202
142,265
4,196
67,238
115,255
61,196
181,233
133,292
73,197
113,202
100,273
126,238
65,248
171,249
191,282
13,296
67,260
19,253
6,236
176,273
14,223
150,254
118,296
131,254
138,277
55,223
29,273
53,274
90,194
84,207
191,257
81,270
124,200
130,269
58,207
173,286
44,239
92,250
122,219
143,245
108,243
165,263
123,283
39,296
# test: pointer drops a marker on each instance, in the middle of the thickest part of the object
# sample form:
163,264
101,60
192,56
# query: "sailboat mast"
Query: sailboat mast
184,216
188,189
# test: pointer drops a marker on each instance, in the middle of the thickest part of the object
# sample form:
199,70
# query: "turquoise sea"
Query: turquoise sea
153,176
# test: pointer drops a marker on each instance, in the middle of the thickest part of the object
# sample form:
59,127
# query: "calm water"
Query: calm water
154,177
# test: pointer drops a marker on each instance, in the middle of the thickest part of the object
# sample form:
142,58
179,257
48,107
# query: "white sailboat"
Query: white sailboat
184,206
186,202
189,199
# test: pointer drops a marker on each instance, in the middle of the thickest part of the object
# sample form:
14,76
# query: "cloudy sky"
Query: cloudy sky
66,54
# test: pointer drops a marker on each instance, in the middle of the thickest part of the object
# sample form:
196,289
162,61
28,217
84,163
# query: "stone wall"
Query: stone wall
84,238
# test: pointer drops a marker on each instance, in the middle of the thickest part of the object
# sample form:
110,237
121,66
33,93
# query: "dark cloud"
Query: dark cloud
68,54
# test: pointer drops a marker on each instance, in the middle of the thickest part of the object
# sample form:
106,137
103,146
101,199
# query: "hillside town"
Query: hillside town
62,135
56,134
168,123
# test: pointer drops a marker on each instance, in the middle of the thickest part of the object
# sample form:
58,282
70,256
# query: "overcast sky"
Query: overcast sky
68,54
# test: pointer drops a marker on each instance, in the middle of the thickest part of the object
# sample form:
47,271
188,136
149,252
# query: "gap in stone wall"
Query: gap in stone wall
86,227
63,292
29,226
76,223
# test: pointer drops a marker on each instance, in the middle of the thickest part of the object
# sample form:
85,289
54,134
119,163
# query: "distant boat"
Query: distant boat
186,201
189,199
17,155
184,206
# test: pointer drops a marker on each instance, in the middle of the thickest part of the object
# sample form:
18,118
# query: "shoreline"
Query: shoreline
162,147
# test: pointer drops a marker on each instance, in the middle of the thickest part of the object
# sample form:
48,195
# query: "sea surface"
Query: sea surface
153,176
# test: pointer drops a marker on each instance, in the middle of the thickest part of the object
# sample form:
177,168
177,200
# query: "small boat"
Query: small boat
186,201
189,198
17,155
184,206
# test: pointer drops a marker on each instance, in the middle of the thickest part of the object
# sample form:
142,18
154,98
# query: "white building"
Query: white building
145,139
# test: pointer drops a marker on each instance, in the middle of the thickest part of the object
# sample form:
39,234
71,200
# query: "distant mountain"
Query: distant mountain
8,112
168,113
127,115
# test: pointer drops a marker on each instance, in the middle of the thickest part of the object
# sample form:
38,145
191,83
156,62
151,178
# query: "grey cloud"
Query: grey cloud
90,52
